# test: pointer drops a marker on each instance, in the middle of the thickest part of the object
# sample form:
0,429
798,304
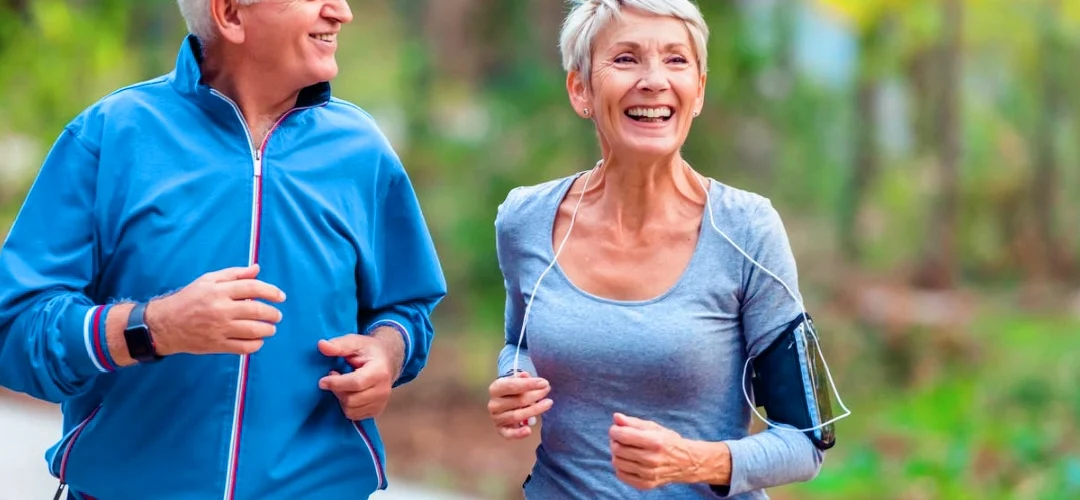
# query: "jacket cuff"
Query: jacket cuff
83,338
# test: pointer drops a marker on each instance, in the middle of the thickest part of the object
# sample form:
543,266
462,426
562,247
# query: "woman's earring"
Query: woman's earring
586,112
696,113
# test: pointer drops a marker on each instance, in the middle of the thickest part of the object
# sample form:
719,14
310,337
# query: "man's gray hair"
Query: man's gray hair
588,17
199,21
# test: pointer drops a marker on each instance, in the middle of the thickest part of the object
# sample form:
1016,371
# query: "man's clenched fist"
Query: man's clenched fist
376,360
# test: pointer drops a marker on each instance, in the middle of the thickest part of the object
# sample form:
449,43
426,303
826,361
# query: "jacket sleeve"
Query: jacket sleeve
774,457
403,281
52,336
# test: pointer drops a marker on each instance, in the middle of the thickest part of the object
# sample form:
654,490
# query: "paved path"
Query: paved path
26,431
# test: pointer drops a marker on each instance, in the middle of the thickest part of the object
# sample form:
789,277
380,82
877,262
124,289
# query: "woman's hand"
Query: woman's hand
515,401
647,455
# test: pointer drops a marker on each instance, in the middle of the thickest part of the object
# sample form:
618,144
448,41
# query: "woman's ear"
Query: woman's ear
699,102
226,16
579,94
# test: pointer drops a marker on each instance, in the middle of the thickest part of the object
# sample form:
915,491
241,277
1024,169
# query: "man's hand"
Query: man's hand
217,313
376,360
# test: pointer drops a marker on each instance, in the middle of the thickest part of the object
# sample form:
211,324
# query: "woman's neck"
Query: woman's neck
636,192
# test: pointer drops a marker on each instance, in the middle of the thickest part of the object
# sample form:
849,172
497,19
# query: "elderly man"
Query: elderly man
221,273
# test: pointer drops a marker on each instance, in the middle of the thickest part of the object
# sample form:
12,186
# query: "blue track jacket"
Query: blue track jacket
157,184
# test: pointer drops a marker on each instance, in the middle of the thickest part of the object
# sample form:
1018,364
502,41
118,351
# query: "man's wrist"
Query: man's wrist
394,338
154,322
115,325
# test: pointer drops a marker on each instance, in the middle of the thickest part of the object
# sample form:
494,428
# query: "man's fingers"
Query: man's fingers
345,345
513,386
233,273
250,330
252,310
350,382
240,346
245,289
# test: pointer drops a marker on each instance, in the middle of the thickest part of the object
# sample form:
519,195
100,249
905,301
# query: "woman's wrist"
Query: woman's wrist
710,463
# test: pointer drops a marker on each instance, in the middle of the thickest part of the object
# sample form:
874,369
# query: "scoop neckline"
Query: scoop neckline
553,214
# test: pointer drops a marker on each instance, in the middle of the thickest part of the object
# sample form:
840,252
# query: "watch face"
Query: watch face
138,342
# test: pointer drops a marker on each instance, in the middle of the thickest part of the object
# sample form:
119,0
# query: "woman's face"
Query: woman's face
645,85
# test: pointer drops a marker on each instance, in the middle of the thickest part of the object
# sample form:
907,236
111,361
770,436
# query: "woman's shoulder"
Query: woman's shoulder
735,204
525,204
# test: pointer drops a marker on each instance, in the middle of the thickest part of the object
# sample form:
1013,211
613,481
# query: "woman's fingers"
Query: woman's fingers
517,416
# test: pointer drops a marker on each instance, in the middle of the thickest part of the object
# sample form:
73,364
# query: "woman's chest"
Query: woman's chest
679,349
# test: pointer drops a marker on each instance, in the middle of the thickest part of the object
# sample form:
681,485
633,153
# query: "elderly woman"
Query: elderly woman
632,317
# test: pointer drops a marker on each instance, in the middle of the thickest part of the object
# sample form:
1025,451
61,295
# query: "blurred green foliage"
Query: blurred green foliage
476,105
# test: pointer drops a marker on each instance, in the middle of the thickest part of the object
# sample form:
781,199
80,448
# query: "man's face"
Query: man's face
295,40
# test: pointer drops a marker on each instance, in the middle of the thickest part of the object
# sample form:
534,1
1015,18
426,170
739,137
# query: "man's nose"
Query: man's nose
338,10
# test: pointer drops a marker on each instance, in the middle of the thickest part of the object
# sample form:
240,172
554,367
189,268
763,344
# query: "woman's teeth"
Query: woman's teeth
325,37
644,114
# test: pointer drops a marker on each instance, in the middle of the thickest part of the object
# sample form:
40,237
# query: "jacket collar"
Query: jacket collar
186,78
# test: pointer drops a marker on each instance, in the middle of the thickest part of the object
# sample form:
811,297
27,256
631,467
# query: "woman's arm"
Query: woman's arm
647,455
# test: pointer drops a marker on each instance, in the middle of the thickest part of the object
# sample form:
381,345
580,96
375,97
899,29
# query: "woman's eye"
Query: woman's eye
679,60
624,59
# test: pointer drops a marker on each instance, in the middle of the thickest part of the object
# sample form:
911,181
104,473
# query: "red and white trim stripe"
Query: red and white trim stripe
380,474
253,258
94,338
71,444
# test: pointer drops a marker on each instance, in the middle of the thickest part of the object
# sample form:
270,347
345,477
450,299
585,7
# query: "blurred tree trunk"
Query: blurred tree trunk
1044,182
867,155
920,76
939,268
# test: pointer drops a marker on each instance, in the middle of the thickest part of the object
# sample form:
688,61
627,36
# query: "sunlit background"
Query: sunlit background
924,154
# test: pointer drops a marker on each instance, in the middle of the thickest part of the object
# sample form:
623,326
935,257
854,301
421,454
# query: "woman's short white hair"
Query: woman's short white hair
199,21
589,17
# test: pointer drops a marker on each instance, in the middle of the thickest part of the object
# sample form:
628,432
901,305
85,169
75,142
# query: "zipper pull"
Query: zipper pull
59,491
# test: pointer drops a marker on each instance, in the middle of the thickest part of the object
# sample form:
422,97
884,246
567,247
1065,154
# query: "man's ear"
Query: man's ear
580,96
226,16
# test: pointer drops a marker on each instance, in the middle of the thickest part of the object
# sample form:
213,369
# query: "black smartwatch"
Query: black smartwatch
140,342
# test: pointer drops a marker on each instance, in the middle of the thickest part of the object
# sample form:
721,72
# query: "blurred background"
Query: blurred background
924,154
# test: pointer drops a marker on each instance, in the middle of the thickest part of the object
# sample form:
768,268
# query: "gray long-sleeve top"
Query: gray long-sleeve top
676,359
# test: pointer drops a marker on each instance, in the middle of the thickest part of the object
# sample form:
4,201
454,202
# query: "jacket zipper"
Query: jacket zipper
62,471
380,473
253,258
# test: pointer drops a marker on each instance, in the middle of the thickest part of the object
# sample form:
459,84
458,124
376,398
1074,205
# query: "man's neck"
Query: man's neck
260,103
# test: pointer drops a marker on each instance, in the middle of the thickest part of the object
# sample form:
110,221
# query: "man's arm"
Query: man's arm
54,340
402,281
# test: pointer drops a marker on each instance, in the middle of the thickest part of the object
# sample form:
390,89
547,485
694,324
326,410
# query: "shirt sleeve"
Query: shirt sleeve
514,312
52,335
403,281
773,457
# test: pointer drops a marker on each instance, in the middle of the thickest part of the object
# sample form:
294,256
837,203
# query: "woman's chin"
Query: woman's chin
655,147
